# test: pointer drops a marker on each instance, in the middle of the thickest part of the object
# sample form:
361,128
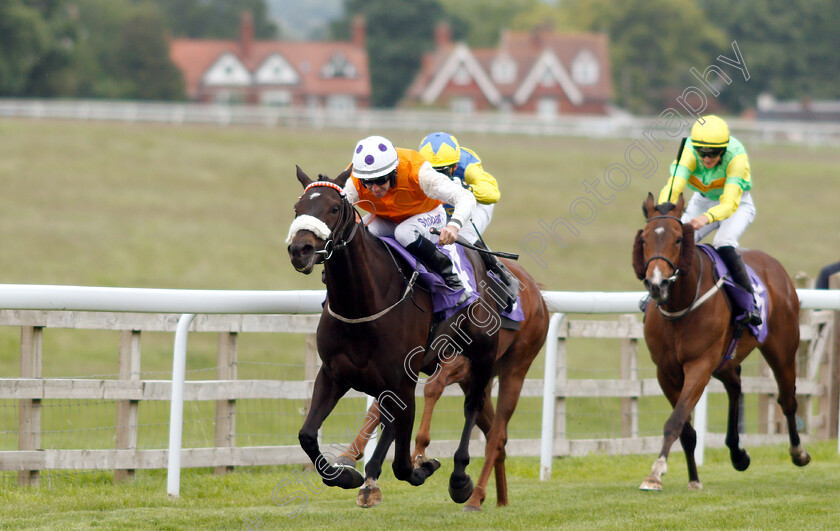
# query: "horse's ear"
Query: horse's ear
302,177
680,205
343,176
688,247
639,256
648,206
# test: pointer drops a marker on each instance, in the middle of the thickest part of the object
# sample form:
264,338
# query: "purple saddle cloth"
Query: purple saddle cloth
444,299
741,300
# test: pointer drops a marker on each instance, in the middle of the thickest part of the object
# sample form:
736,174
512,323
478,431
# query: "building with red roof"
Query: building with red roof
540,72
331,75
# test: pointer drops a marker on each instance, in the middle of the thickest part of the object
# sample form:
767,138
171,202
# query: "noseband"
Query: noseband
348,217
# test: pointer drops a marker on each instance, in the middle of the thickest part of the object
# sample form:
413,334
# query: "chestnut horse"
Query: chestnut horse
517,350
688,329
372,323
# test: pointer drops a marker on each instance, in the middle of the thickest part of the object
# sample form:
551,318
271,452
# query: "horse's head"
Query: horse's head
664,249
322,214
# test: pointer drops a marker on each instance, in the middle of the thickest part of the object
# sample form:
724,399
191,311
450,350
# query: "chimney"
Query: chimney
359,31
443,35
246,34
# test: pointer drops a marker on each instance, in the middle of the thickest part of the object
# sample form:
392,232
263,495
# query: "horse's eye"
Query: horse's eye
334,209
679,241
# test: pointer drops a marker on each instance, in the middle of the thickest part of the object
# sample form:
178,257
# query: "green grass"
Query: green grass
594,492
208,208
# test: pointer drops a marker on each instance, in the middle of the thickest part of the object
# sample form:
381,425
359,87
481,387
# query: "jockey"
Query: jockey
405,196
715,165
463,166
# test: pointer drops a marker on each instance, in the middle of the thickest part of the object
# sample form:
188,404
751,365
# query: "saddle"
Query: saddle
444,300
742,301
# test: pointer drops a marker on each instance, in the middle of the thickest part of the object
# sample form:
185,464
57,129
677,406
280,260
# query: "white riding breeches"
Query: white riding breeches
410,229
729,229
482,215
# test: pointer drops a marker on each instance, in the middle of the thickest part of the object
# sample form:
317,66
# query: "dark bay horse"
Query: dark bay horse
373,320
517,350
688,336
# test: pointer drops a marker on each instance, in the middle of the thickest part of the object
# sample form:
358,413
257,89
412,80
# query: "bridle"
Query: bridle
337,241
347,217
698,299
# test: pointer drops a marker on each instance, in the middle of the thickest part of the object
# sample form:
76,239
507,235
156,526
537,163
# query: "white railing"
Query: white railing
191,302
591,126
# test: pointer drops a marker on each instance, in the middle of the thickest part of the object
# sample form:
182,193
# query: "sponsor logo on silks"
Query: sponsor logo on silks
432,220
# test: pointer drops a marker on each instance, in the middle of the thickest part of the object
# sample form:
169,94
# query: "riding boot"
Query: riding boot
738,270
510,283
431,256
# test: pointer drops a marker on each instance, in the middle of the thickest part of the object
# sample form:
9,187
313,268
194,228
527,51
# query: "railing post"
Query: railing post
29,423
226,409
629,371
176,412
552,412
128,410
833,369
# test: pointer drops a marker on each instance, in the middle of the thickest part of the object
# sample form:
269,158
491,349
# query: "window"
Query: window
503,70
462,76
547,108
585,68
462,105
338,66
276,71
341,102
280,98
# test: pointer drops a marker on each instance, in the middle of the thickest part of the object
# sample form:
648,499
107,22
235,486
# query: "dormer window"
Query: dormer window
462,76
585,68
338,66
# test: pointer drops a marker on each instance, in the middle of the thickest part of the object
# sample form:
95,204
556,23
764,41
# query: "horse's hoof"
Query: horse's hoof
345,460
802,459
476,499
369,497
430,465
463,493
651,484
695,485
741,462
344,477
419,460
472,508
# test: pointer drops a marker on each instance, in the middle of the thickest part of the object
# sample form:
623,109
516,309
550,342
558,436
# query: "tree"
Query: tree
653,45
398,32
25,38
215,19
492,16
792,49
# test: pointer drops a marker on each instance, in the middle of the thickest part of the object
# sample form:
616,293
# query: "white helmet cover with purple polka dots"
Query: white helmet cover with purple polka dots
374,157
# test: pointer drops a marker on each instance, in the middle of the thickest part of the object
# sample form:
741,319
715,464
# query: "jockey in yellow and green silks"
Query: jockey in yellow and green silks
715,165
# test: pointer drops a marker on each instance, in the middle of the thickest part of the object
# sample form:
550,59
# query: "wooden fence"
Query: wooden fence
817,388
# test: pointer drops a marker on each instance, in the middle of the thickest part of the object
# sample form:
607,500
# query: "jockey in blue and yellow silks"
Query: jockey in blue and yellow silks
464,167
715,165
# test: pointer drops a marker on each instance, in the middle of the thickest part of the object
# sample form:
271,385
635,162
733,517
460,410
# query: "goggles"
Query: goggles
710,152
379,181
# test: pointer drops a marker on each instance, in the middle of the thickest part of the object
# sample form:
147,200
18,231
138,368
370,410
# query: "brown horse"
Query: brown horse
372,324
517,350
688,334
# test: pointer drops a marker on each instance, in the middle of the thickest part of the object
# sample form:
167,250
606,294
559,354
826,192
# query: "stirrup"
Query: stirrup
753,318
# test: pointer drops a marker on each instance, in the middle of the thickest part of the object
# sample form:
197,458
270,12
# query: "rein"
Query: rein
335,243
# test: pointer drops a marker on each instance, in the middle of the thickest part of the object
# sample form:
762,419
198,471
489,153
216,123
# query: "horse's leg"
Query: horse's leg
369,494
403,423
696,376
781,359
325,396
455,371
356,450
510,387
731,379
460,484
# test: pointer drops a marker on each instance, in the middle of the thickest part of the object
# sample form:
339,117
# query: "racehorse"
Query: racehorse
517,350
372,322
688,330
